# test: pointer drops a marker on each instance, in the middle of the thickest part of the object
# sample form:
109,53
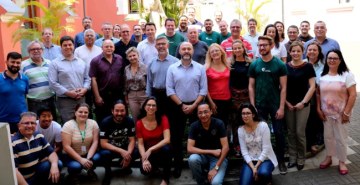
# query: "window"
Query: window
134,6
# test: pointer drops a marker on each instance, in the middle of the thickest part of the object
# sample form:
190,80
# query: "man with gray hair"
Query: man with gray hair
88,51
36,68
107,30
125,43
51,51
79,38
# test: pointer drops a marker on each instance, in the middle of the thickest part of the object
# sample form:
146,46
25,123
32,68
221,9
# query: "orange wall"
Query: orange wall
6,43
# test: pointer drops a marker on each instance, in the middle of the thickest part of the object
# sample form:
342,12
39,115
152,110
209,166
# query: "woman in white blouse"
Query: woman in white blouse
254,139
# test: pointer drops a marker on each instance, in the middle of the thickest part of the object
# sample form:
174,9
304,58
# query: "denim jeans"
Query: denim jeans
42,173
264,173
107,156
74,167
201,164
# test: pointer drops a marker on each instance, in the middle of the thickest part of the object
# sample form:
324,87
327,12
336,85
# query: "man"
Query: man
208,146
292,32
224,33
191,13
35,160
173,37
209,36
69,78
146,48
138,34
52,51
186,85
304,28
156,75
252,36
117,139
235,28
107,30
142,23
14,87
218,17
125,43
183,26
267,92
106,72
326,43
79,38
200,47
88,51
36,68
49,128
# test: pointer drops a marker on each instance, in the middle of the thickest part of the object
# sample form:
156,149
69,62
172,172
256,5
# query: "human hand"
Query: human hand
146,166
212,173
279,113
54,174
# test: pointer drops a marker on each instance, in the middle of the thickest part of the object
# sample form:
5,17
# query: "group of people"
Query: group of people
209,80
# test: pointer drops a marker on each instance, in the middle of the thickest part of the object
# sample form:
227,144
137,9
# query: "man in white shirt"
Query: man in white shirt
146,48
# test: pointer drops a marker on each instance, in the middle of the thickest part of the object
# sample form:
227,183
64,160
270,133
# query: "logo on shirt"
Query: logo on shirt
265,70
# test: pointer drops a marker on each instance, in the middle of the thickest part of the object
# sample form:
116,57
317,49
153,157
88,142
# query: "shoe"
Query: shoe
177,173
107,179
343,172
126,171
282,168
291,165
299,167
92,175
324,166
73,180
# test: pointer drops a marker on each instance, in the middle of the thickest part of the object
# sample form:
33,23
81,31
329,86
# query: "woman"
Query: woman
300,89
280,29
135,82
218,78
80,138
314,127
279,49
255,142
336,99
153,134
117,31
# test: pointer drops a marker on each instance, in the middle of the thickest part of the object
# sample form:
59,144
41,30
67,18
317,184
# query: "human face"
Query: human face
150,32
333,61
238,49
312,52
280,28
320,30
13,65
271,32
87,24
223,27
45,119
170,27
293,34
191,13
108,47
35,51
137,30
186,51
304,28
247,116
107,30
215,53
162,46
82,114
183,22
235,29
125,33
89,38
252,27
117,31
296,53
208,26
47,35
133,57
218,16
119,112
204,113
67,48
150,107
264,47
27,126
193,35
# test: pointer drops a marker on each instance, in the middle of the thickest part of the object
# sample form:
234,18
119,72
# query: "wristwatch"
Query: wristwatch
216,168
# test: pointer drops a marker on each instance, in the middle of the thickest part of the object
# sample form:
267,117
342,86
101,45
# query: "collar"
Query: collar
181,65
5,76
20,136
62,58
166,58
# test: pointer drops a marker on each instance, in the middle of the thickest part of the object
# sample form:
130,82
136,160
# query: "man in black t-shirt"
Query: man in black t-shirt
117,139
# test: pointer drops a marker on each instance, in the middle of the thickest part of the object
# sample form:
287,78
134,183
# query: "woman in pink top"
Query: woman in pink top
218,78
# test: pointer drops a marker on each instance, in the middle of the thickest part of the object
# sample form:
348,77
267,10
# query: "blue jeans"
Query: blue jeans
42,173
107,156
278,127
74,167
264,173
200,165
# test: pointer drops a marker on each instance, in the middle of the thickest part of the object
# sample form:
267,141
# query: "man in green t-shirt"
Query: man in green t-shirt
174,38
209,36
267,91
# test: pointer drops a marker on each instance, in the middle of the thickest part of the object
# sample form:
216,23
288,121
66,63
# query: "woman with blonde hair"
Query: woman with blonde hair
218,77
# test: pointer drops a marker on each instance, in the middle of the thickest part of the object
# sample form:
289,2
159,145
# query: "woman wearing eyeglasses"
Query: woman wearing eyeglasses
153,134
336,97
255,143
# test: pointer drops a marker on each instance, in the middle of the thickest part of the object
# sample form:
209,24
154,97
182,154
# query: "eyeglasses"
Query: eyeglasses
292,32
246,113
89,35
35,49
28,123
333,58
235,27
151,105
263,45
125,31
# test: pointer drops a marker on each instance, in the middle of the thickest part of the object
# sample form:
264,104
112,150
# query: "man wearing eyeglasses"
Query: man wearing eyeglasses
51,51
125,43
293,32
36,69
35,160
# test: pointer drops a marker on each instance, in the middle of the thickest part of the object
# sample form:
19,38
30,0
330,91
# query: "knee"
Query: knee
74,167
194,159
217,181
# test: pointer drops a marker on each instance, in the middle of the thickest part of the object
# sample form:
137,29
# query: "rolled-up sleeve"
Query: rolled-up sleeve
203,83
170,86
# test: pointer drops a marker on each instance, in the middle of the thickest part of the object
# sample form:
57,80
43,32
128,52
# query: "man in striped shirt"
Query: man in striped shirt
35,160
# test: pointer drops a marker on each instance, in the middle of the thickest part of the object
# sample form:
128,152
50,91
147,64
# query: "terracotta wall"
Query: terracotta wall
6,43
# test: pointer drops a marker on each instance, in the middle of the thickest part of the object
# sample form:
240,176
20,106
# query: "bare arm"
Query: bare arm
58,147
163,142
349,104
318,104
224,150
252,90
280,111
54,174
20,178
194,150
94,144
308,94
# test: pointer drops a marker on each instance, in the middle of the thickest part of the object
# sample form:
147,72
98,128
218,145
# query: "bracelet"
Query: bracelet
348,115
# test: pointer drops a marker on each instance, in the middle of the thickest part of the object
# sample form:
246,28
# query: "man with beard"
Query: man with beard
79,38
51,51
186,85
267,92
209,36
117,140
173,37
252,36
224,33
304,34
14,87
183,26
138,34
124,44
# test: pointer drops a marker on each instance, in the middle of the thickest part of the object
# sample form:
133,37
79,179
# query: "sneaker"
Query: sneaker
107,179
282,168
126,171
92,175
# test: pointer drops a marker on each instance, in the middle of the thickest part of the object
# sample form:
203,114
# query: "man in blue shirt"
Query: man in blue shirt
14,87
79,38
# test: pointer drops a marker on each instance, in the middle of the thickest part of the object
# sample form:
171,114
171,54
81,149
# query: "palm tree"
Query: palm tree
174,8
52,17
252,8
